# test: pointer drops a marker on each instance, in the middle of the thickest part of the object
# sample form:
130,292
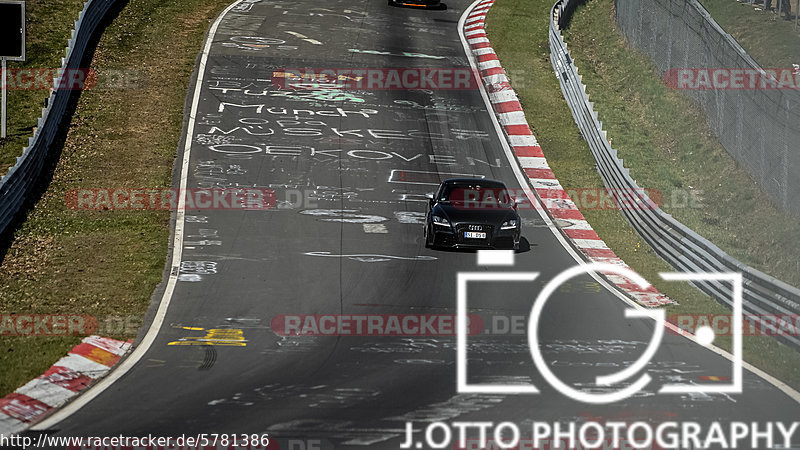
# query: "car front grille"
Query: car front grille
481,228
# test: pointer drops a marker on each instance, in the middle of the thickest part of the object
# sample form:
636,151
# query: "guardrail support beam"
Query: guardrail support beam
3,135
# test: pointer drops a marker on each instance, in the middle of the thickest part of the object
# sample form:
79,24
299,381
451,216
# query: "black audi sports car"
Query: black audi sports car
472,213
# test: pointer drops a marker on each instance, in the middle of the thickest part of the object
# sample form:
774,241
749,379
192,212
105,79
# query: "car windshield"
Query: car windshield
485,195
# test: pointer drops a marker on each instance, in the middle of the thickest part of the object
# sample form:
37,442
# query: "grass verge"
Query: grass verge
638,112
49,24
103,263
770,40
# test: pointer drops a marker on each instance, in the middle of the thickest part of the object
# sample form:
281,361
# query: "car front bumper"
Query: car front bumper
448,237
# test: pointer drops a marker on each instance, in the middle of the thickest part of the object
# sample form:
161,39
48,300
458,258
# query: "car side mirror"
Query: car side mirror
430,198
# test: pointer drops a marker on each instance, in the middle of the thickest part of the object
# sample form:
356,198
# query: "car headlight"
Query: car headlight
509,224
441,221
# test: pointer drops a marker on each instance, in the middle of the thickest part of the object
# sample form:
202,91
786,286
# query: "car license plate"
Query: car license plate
474,235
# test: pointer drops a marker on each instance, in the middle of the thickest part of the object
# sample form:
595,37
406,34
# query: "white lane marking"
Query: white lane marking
522,180
368,257
375,228
411,217
304,37
128,363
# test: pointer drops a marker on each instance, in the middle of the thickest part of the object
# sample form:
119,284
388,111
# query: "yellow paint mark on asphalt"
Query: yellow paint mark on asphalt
580,287
230,337
315,76
714,378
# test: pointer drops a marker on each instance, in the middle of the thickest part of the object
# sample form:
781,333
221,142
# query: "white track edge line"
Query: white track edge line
522,180
127,364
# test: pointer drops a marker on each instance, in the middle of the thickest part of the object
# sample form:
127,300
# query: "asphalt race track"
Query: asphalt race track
349,169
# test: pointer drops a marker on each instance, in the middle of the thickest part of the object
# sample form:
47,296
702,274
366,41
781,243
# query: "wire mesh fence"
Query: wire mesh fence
754,112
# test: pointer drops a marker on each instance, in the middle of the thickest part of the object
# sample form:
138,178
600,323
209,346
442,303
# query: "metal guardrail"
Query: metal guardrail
18,182
684,249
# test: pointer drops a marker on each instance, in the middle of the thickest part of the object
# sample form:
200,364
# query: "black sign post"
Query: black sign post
12,42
